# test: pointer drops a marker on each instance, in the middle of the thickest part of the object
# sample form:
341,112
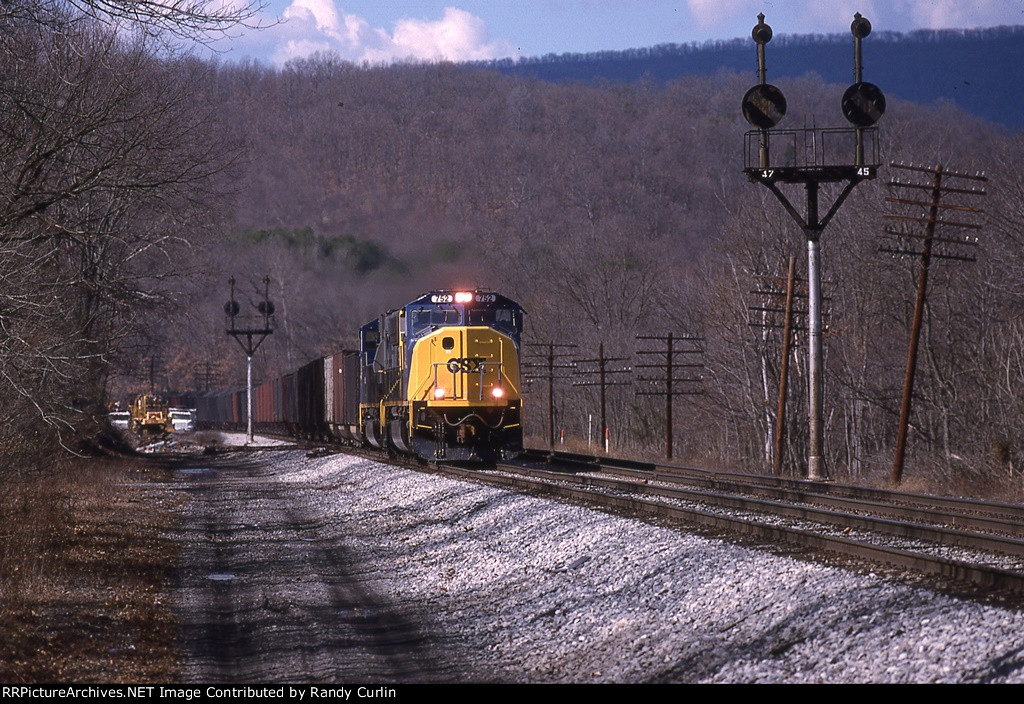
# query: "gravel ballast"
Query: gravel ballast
522,589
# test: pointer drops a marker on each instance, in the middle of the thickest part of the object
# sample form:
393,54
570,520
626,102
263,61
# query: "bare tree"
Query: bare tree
196,20
108,168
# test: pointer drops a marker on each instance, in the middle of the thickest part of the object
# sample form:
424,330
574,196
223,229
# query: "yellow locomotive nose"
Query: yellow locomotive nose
464,366
464,390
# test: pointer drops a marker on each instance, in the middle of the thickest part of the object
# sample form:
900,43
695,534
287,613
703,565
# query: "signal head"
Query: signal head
860,27
761,33
764,106
863,103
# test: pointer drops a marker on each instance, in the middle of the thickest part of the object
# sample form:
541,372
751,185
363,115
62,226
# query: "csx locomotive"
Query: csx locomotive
438,378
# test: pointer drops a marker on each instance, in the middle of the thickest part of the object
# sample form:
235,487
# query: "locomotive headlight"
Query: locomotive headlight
463,297
439,393
497,392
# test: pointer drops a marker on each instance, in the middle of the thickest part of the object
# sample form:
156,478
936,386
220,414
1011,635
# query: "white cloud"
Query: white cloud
319,25
713,14
457,35
321,14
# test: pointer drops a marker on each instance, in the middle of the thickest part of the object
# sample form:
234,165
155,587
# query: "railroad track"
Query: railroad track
964,540
968,514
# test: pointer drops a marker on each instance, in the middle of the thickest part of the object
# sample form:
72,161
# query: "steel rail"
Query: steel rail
883,526
1013,513
856,504
979,575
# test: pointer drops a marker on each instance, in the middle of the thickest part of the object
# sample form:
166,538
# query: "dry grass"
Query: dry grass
84,569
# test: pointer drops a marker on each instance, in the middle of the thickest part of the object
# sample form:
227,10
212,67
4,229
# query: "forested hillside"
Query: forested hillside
613,210
607,209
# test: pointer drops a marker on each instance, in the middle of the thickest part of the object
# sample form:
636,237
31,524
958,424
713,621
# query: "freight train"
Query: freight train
438,378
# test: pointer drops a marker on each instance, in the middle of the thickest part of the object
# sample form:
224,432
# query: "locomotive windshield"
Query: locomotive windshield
503,319
441,309
427,318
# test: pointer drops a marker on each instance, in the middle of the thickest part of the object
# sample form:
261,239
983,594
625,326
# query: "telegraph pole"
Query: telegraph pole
599,367
687,344
550,363
250,337
931,246
787,336
793,291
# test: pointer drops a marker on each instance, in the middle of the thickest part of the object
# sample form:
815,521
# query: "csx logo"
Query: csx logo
465,364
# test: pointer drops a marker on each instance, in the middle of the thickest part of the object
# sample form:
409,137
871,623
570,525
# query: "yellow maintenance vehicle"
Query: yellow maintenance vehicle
150,414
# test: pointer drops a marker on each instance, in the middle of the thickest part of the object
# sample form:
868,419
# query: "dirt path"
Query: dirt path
268,592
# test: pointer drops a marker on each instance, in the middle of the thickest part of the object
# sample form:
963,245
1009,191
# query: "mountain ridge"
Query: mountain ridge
923,66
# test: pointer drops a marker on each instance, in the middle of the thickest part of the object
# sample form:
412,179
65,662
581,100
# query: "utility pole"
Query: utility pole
787,337
931,246
674,345
599,367
808,160
772,289
250,337
547,364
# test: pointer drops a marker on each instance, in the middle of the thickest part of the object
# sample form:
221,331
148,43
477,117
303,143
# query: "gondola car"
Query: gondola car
439,377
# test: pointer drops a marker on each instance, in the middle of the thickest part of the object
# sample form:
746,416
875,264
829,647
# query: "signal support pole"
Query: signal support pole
807,162
250,338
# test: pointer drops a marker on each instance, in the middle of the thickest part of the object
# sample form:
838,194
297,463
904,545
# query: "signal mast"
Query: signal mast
250,338
809,159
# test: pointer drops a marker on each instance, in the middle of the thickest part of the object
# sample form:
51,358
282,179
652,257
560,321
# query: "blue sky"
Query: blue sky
457,30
